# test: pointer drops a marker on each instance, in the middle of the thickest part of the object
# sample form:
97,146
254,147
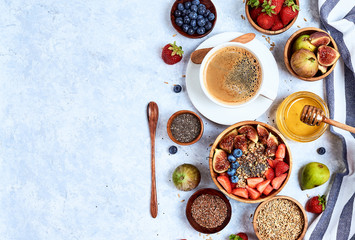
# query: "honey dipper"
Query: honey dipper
312,115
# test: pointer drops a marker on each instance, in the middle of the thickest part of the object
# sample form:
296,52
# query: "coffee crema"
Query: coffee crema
232,75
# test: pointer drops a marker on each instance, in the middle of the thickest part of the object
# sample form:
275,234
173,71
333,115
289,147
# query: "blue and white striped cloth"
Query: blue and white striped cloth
338,219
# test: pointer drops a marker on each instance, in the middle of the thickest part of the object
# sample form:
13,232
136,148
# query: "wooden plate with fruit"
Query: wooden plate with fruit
250,161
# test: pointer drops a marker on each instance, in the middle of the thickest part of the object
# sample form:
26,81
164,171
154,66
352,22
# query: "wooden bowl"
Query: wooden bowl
288,53
262,205
209,5
287,159
269,32
198,227
171,120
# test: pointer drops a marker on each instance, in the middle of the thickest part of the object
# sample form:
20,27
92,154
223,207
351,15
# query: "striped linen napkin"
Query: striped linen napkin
338,219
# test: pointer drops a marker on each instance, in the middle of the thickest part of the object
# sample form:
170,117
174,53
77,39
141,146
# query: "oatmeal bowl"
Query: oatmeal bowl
250,162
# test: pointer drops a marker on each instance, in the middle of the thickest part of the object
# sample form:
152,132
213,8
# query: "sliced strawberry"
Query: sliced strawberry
233,185
253,194
277,181
226,184
241,192
253,181
268,190
265,21
273,162
255,12
281,151
277,24
261,186
280,168
270,174
278,159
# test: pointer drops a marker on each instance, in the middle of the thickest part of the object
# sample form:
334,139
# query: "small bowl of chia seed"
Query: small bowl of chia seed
185,127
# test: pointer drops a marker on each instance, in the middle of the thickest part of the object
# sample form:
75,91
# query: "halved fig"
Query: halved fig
319,38
250,132
322,68
272,144
227,143
220,162
327,56
263,133
241,142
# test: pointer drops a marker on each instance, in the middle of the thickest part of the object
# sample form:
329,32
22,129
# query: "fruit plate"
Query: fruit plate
229,116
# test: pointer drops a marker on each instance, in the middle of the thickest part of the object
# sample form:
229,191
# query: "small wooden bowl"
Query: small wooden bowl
287,159
209,5
171,120
191,220
261,205
269,32
288,53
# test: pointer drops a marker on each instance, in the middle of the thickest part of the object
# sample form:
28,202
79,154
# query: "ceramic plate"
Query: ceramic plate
229,116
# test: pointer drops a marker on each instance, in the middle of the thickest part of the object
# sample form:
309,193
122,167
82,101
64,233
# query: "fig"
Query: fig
186,177
327,56
322,68
250,132
313,175
241,142
220,162
303,42
304,63
272,144
227,143
319,38
263,133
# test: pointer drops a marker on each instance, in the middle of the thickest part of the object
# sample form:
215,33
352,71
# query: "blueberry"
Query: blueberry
185,27
195,2
177,88
177,13
191,31
231,171
211,16
193,15
231,158
186,19
201,5
199,17
193,23
201,10
179,21
237,153
188,12
180,6
183,12
206,13
201,22
173,149
234,179
193,8
208,25
235,165
187,5
321,150
201,30
195,28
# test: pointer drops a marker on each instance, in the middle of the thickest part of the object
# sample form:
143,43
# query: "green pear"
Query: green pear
313,175
303,42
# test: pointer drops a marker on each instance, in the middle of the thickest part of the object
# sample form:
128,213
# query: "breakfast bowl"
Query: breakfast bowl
208,211
252,18
324,52
185,127
250,162
281,218
193,18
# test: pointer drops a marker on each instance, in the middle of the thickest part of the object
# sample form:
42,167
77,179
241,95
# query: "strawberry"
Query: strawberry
316,204
272,162
238,236
269,174
277,25
289,12
224,181
255,12
265,21
172,53
277,181
241,192
255,3
253,181
281,149
261,186
268,190
233,185
280,168
253,194
272,6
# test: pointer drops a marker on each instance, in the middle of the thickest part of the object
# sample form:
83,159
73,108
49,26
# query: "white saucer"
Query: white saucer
229,116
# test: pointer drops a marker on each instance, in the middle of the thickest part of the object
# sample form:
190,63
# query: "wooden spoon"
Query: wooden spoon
312,115
198,55
153,115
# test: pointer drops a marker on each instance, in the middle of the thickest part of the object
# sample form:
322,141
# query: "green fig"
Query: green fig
313,175
186,177
303,42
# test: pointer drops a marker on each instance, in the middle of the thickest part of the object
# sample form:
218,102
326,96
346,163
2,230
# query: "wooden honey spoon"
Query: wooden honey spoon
198,55
312,115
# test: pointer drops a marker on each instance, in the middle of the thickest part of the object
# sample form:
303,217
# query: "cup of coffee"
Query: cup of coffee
231,75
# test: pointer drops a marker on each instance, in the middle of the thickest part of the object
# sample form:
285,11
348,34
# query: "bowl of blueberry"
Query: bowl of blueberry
193,18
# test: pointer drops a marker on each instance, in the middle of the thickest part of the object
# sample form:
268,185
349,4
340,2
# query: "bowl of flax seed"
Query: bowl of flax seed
280,218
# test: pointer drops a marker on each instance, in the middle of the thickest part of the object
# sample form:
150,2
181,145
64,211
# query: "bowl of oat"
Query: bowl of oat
208,211
250,161
280,218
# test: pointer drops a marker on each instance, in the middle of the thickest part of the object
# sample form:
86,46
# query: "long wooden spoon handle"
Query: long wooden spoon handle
153,195
339,125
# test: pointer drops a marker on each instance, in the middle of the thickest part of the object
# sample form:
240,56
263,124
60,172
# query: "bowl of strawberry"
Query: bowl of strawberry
250,161
272,16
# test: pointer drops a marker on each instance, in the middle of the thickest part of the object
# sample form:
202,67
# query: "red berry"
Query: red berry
265,21
255,12
225,182
281,149
261,186
242,235
269,174
253,181
241,192
172,53
288,12
253,194
277,181
316,204
280,168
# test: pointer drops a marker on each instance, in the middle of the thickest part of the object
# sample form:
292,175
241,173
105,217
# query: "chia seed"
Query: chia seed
185,127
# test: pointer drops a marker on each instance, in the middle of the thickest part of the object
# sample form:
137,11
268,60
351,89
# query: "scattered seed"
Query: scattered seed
174,35
305,19
298,26
166,82
184,75
183,200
